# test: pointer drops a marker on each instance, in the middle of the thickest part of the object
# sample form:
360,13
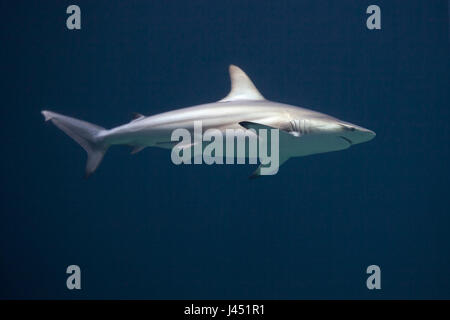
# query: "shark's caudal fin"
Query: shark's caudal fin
85,133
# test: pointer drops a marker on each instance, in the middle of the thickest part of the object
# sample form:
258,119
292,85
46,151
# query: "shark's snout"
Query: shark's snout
355,134
363,135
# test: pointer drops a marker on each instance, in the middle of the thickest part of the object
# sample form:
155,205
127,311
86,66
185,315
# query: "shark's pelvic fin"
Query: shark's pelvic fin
242,88
175,144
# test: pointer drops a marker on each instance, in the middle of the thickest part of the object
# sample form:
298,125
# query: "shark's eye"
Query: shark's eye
347,127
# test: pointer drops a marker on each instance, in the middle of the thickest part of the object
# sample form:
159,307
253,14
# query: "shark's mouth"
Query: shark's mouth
350,142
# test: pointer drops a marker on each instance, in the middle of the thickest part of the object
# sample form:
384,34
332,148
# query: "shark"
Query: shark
302,131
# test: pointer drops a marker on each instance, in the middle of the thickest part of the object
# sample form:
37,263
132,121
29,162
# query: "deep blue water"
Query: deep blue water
142,227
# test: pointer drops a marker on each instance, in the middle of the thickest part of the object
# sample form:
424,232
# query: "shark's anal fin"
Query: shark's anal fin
242,88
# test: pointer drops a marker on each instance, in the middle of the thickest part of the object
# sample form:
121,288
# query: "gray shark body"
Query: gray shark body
302,131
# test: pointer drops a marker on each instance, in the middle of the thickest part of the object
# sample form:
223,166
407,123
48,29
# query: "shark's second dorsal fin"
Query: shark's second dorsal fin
242,88
137,116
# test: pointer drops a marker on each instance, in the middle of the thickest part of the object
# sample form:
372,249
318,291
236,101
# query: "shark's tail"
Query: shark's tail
85,133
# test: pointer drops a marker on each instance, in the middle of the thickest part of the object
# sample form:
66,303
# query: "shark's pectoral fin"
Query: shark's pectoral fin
284,135
254,125
137,149
269,171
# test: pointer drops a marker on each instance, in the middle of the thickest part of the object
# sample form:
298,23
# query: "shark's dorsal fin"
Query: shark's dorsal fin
242,88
